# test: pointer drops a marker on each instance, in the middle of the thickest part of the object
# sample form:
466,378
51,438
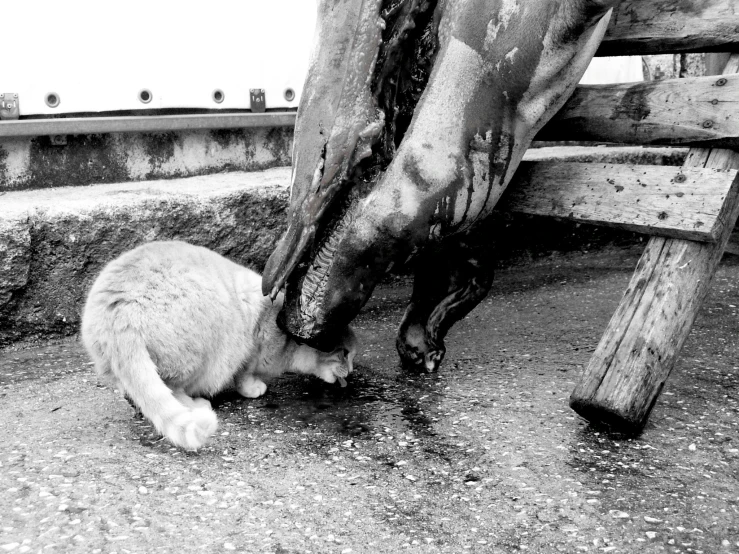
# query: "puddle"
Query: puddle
368,404
371,402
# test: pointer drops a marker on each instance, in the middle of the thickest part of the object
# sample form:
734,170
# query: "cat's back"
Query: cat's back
163,264
168,281
182,303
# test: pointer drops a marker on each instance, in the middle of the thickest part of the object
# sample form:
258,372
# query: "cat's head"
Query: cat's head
339,363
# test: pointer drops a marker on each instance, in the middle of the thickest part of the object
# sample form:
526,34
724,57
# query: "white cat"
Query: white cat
169,321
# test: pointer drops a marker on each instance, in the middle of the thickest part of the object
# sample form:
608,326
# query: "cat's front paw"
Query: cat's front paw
251,387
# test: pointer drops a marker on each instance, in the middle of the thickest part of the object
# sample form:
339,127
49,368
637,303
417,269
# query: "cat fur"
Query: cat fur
169,322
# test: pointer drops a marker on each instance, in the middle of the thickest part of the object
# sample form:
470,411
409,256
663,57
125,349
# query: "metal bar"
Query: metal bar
143,124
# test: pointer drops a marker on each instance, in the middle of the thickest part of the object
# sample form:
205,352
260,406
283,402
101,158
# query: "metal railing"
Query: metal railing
143,124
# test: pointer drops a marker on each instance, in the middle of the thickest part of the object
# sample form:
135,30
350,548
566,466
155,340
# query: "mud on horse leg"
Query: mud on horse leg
449,282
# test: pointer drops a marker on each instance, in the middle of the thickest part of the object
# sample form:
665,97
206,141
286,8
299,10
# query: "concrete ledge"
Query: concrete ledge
53,242
39,162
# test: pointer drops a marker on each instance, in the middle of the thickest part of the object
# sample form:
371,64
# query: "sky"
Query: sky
97,55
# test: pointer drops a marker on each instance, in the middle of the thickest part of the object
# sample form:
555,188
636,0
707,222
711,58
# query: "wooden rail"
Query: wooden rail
640,27
686,203
694,111
646,333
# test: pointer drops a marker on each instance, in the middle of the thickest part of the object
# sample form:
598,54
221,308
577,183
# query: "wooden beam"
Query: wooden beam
644,337
651,199
694,111
640,27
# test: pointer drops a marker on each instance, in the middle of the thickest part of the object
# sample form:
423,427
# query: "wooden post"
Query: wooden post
645,335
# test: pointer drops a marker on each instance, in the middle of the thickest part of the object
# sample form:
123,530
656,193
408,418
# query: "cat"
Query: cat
169,322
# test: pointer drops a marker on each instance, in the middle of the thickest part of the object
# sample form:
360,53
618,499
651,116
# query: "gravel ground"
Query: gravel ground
486,456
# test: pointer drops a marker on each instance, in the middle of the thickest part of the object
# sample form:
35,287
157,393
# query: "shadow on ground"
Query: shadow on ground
486,456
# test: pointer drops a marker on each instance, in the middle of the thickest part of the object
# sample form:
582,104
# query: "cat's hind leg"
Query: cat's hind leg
196,424
108,379
192,403
250,386
139,379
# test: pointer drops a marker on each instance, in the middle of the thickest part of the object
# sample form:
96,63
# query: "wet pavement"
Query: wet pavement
485,456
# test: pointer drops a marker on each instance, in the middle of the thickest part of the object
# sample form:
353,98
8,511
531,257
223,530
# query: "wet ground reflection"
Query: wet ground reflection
368,403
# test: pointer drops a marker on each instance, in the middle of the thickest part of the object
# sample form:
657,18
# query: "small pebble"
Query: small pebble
410,477
652,519
10,546
691,448
229,546
618,514
651,534
143,490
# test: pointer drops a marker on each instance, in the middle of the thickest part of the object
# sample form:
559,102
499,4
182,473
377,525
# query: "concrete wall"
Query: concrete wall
54,242
32,163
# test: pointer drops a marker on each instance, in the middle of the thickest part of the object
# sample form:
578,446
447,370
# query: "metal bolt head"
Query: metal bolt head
59,140
145,96
52,99
707,124
680,178
721,82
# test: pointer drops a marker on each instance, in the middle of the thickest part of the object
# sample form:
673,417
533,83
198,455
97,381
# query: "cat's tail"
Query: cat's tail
187,425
